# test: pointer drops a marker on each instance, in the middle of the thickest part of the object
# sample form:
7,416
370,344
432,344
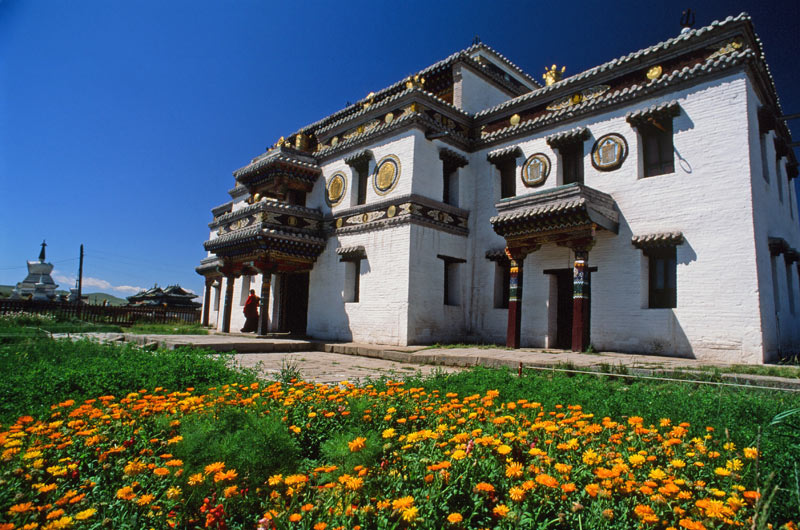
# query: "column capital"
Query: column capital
518,253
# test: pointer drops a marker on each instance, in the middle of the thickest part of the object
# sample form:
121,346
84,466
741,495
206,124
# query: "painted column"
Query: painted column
580,301
516,259
207,301
226,310
263,308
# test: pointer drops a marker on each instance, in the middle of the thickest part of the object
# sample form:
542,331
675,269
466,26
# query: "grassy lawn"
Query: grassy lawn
177,328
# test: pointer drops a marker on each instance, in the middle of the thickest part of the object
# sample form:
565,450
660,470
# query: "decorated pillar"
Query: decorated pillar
516,259
226,310
207,300
580,298
263,309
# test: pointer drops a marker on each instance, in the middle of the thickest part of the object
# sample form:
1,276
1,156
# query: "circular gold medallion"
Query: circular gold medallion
339,222
388,118
336,187
391,211
514,120
535,170
365,218
387,173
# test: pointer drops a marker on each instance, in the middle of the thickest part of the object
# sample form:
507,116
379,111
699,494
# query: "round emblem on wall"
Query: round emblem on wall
387,173
536,170
336,187
609,152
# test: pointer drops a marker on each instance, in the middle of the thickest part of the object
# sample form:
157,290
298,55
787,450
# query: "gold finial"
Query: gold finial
415,81
654,72
553,75
370,100
514,120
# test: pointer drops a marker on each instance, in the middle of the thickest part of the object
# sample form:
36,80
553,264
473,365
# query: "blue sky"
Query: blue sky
121,122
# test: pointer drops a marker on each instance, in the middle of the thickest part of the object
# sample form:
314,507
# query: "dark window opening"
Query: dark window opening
449,183
352,281
571,163
362,176
657,148
663,274
296,197
508,170
452,280
502,280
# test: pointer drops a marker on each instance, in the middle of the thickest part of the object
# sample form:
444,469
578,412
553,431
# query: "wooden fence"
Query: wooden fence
121,315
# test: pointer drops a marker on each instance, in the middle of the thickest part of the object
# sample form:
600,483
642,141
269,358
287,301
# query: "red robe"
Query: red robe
251,313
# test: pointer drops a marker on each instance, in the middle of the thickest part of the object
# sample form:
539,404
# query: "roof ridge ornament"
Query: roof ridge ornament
552,75
687,21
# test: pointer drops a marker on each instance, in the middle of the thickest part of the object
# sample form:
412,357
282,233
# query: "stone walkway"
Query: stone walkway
332,362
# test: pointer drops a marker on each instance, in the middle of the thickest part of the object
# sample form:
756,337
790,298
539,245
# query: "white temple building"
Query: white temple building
38,284
645,205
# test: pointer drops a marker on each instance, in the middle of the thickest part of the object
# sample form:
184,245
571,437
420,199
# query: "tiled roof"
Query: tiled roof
667,109
496,254
575,135
356,252
615,63
505,152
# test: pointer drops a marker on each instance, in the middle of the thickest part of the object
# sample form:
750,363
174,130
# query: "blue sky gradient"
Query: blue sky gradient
121,122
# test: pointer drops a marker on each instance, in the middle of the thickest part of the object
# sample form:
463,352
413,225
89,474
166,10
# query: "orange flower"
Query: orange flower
357,445
403,503
225,475
514,470
517,494
20,508
295,518
484,487
216,467
161,471
645,514
126,493
320,526
196,479
501,510
547,481
454,518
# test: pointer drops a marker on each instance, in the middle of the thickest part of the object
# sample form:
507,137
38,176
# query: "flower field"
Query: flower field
325,457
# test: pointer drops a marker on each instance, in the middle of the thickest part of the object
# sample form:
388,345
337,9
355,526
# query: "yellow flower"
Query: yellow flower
454,518
722,472
173,493
225,475
516,493
590,457
410,514
230,491
85,514
458,454
196,479
388,433
734,465
514,470
126,493
145,500
677,463
636,460
275,480
750,453
403,503
504,449
295,518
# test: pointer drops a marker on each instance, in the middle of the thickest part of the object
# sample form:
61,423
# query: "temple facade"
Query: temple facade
645,205
172,296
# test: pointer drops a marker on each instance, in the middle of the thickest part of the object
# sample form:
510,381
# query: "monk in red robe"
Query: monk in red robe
251,312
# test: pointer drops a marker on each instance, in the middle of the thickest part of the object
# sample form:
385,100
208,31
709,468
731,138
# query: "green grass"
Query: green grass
774,370
40,372
177,328
741,413
465,345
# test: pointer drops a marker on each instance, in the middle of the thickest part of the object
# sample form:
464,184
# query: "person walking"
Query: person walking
251,312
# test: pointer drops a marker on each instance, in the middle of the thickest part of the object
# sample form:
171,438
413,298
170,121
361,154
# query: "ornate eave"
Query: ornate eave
451,157
209,267
657,240
499,155
351,253
573,136
281,165
556,214
659,112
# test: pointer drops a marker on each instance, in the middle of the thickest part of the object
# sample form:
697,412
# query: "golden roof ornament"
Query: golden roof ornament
654,72
370,100
415,81
553,75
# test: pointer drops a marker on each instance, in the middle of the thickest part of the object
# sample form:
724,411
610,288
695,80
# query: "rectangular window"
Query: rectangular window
362,176
662,265
452,280
779,177
217,286
790,287
450,184
764,164
571,163
352,281
508,185
657,147
296,197
775,291
245,290
502,278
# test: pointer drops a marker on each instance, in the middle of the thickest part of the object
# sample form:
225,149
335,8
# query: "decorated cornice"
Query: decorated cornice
359,157
261,239
498,155
661,111
657,240
209,267
222,209
237,191
452,157
497,254
279,162
351,253
412,208
557,209
571,137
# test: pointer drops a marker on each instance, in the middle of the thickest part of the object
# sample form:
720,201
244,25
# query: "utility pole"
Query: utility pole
80,283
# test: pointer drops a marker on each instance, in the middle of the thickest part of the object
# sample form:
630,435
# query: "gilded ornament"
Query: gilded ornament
654,72
535,170
256,197
292,221
728,48
553,75
576,98
388,118
415,82
391,211
365,218
334,140
339,222
336,187
609,152
387,173
514,120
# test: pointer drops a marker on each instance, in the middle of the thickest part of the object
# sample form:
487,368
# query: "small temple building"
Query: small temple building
38,284
173,296
645,205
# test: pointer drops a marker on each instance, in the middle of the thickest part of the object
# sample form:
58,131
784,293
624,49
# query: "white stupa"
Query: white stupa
37,285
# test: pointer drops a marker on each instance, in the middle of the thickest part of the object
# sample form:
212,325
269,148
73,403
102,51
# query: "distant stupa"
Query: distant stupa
37,285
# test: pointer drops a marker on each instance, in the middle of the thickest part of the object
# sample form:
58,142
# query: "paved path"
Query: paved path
333,361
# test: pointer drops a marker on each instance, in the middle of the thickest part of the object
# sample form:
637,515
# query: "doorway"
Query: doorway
294,306
562,338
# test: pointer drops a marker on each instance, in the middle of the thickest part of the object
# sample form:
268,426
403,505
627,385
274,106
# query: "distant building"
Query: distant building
38,284
173,297
649,200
